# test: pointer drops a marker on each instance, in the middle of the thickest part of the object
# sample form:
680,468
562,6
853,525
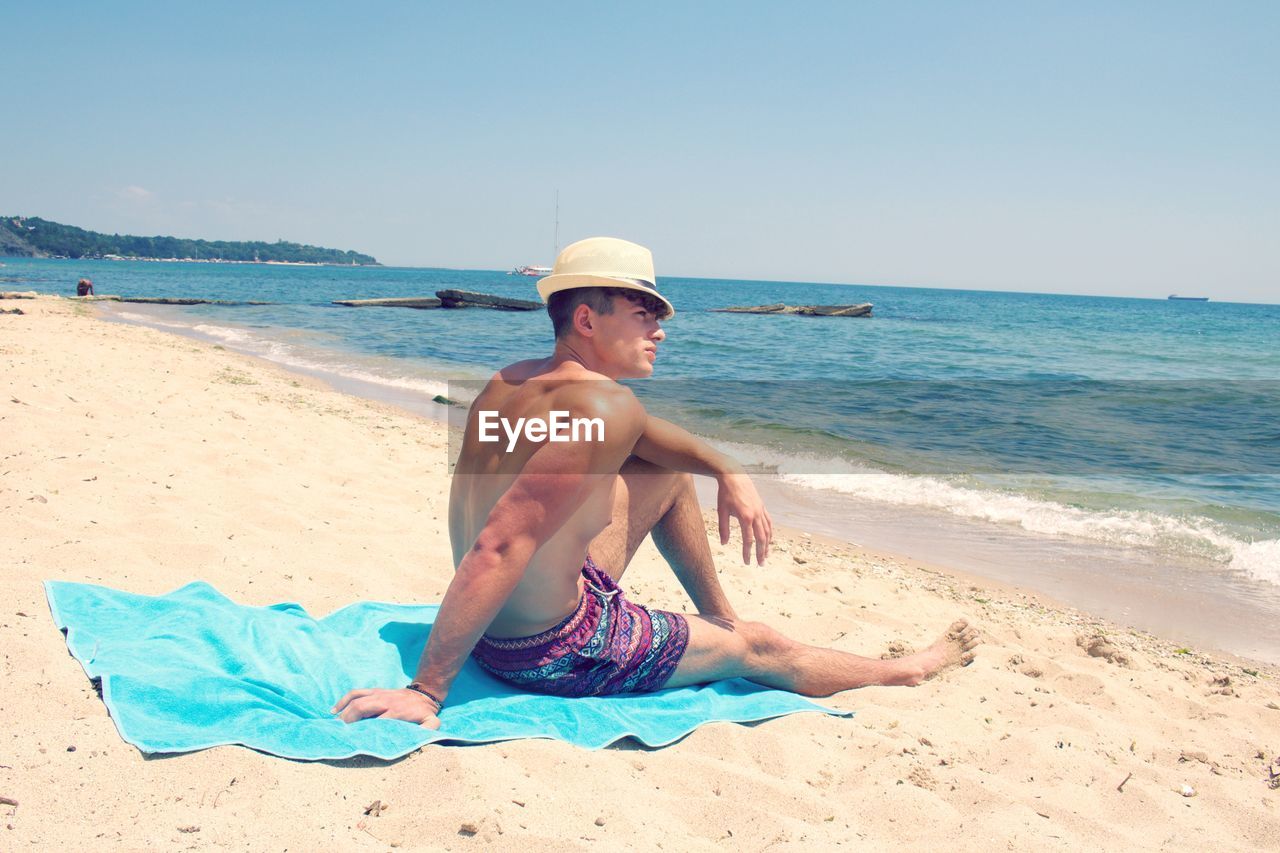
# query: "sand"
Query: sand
144,461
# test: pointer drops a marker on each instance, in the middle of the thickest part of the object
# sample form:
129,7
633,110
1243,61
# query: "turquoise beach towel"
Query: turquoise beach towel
193,669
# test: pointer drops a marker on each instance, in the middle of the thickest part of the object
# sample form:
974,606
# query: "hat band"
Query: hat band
647,285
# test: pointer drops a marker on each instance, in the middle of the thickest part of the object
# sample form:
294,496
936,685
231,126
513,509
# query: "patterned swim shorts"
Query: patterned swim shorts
607,645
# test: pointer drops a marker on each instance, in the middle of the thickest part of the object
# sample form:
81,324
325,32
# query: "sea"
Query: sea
1118,455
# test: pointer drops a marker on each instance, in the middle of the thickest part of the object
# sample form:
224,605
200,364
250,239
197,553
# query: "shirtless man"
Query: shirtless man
543,530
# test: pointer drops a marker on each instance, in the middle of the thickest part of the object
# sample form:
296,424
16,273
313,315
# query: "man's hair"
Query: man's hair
561,305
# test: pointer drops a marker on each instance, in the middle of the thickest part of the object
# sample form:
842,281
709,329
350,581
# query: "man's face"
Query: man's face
626,341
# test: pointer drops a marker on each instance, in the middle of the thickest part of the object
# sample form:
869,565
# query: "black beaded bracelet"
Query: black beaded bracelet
416,687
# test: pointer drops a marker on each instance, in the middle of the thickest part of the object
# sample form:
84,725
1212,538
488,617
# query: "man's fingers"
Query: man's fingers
388,704
411,715
432,722
766,534
346,700
362,708
762,542
724,522
748,537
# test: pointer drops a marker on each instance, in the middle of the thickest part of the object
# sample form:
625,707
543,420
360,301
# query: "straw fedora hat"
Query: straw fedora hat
603,262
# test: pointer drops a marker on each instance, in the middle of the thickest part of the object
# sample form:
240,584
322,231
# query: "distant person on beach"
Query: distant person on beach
543,527
84,287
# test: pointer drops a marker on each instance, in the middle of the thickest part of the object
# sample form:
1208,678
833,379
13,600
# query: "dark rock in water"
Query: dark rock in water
775,308
860,310
446,299
399,302
163,300
467,299
146,300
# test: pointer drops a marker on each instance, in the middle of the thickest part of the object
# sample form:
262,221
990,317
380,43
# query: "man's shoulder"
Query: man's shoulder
598,396
520,371
571,387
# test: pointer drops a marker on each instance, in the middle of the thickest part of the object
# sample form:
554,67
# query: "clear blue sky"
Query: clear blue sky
1106,148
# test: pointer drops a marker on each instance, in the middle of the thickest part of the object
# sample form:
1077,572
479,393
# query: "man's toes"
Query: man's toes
957,628
966,658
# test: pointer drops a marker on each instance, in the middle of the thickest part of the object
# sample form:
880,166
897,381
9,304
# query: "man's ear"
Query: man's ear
582,320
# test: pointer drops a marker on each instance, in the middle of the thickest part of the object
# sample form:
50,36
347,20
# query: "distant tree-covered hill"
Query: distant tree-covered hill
31,236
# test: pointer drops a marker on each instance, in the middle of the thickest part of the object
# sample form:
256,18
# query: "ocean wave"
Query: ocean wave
222,333
1260,560
1188,536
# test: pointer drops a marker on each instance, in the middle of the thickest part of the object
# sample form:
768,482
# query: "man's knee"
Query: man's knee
682,485
762,645
728,648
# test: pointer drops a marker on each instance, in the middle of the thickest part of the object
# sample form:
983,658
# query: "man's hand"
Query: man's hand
407,705
737,498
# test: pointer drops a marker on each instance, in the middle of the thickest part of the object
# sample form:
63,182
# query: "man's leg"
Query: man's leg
651,499
723,648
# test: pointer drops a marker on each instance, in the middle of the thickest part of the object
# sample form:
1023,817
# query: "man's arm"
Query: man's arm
663,443
551,486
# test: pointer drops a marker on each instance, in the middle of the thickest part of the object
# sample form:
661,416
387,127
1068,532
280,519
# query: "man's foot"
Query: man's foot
952,649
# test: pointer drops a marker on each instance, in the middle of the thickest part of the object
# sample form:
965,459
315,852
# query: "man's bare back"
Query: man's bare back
552,583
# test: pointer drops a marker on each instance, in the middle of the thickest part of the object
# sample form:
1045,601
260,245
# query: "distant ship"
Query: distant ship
537,272
1189,298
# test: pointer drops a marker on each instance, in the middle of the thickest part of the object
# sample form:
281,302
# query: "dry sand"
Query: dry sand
143,461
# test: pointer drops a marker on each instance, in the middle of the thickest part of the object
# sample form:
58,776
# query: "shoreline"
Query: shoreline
380,398
159,459
1183,600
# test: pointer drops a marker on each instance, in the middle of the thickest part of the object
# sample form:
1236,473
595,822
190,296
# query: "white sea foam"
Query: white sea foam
1261,560
1199,537
151,321
223,333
